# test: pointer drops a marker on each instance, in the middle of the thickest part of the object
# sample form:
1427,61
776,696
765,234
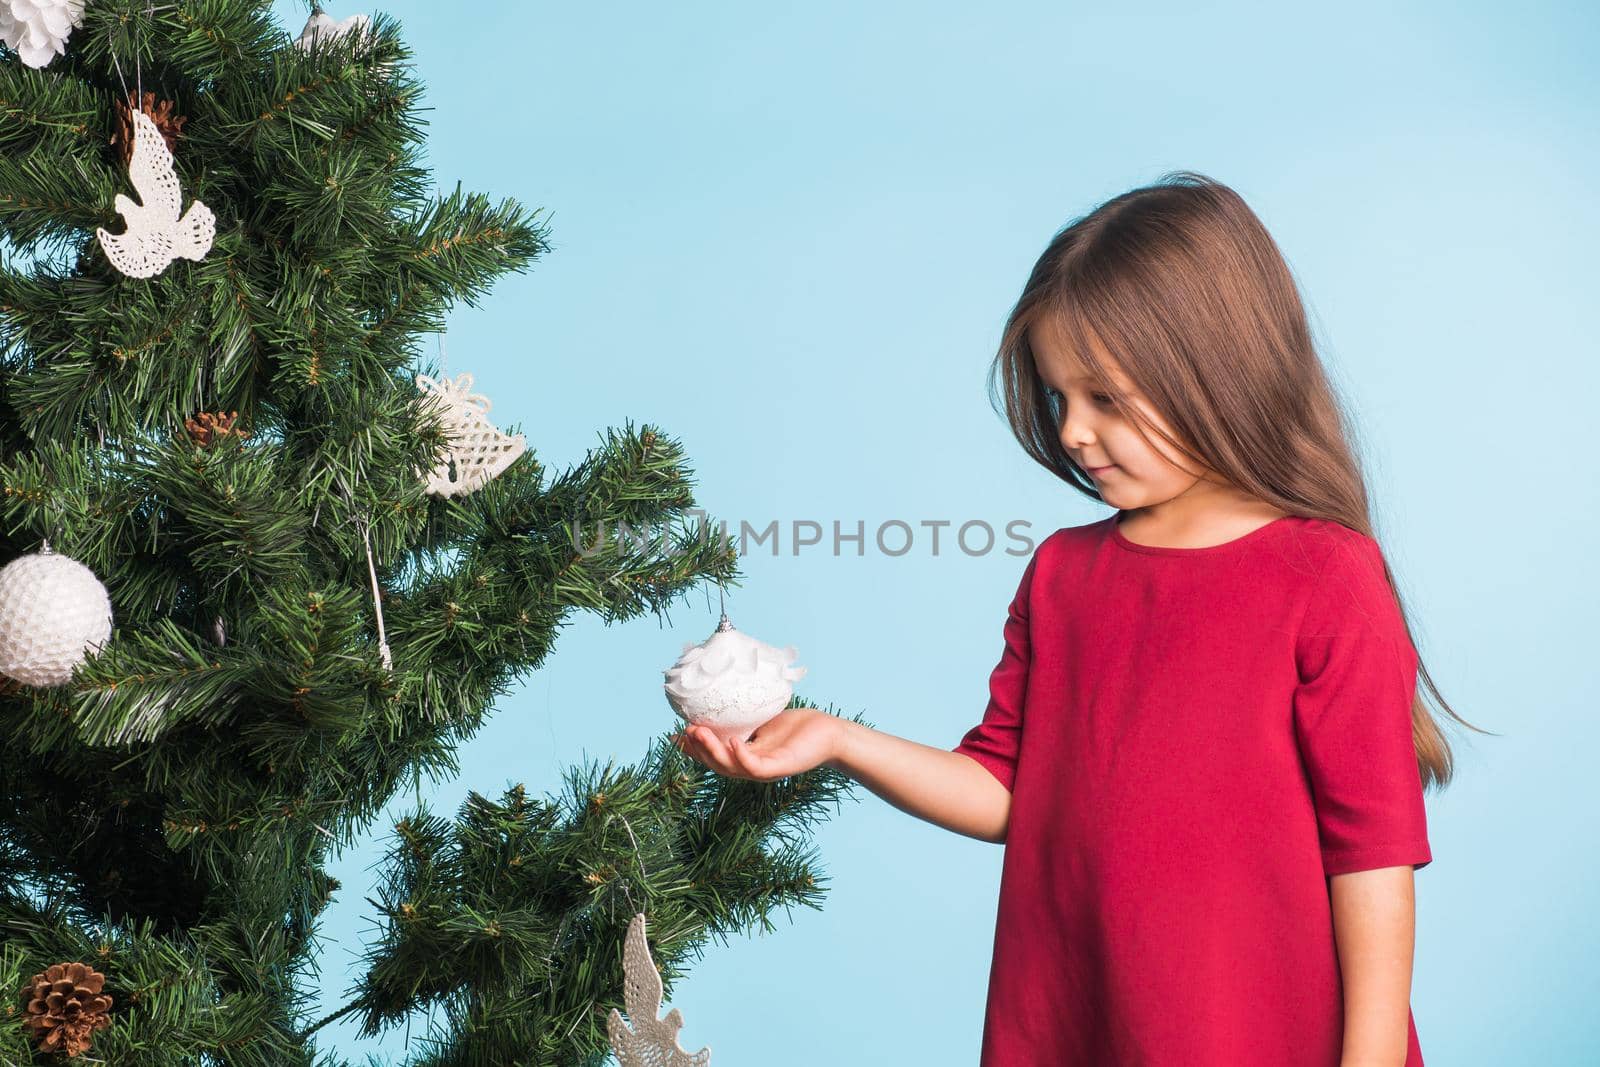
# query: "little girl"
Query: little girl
1204,749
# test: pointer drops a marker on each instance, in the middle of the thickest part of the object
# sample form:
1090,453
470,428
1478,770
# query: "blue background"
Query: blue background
789,235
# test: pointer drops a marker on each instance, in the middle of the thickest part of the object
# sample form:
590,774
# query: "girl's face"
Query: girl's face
1129,470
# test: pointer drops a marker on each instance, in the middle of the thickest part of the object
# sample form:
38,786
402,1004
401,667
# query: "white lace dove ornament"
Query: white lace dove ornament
480,452
732,683
649,1042
156,233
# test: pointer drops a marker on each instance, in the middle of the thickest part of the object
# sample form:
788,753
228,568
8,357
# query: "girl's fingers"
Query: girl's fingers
740,759
691,747
728,756
742,755
720,747
715,751
697,748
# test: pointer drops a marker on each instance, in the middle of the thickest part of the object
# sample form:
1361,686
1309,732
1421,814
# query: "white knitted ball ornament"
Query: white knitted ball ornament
54,613
732,682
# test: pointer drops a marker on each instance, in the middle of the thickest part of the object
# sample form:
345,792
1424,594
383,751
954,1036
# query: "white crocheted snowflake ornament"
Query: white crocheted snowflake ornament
478,450
649,1042
156,233
54,613
732,683
37,30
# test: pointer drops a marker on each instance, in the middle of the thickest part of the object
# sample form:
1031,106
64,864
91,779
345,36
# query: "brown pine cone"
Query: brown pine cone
66,1006
206,426
170,125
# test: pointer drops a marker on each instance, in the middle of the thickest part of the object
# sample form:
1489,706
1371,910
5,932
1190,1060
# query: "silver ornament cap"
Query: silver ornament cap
54,613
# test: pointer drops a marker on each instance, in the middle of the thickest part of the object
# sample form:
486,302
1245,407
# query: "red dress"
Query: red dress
1194,739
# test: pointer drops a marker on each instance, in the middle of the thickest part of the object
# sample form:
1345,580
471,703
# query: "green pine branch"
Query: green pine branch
169,813
510,918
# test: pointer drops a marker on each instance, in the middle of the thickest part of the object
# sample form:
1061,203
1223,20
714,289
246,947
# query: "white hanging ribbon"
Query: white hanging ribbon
377,600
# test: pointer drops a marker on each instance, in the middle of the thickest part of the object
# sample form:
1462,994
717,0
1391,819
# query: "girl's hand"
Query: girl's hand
793,741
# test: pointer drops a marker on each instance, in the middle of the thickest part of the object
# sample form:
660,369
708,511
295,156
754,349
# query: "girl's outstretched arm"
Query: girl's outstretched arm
1374,923
946,788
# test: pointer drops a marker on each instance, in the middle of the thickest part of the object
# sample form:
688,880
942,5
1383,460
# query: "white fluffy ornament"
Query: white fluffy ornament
38,29
54,613
732,683
320,27
156,233
480,452
321,30
649,1042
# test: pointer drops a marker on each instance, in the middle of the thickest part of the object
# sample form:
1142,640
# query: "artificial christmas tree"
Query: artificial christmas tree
301,626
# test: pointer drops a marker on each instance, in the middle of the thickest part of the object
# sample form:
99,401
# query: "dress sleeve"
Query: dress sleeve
1352,717
995,741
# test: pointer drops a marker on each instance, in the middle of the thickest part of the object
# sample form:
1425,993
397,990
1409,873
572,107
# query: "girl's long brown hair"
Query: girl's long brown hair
1181,283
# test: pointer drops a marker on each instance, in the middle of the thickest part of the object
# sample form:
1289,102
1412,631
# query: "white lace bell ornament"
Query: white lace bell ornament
54,613
732,683
478,451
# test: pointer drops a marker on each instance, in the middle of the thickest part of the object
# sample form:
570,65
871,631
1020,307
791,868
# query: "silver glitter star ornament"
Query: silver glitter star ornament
156,233
649,1041
731,682
478,450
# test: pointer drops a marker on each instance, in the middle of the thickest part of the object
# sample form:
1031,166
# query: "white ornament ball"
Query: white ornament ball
732,683
54,613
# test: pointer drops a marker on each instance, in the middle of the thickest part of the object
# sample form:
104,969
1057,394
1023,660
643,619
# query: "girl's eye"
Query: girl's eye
1054,396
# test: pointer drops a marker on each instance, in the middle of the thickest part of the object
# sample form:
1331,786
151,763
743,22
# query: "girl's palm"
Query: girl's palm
791,742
